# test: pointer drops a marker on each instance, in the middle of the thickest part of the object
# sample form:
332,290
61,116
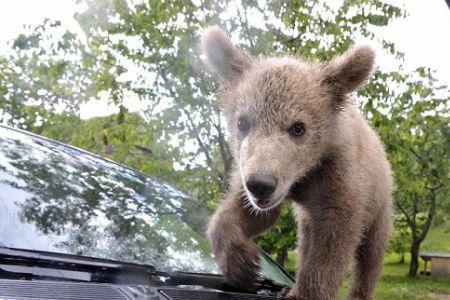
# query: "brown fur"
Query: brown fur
336,173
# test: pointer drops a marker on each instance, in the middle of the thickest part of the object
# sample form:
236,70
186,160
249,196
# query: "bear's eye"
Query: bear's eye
297,130
243,125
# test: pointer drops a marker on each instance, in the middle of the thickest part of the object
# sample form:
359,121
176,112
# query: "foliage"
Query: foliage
281,238
400,239
131,142
416,130
45,73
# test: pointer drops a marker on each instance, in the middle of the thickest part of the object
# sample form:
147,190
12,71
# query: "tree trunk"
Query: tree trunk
282,256
414,265
402,258
417,239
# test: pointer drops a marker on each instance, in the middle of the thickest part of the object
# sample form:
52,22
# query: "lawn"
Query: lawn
396,284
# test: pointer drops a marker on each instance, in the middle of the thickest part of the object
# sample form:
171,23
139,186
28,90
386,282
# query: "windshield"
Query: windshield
56,198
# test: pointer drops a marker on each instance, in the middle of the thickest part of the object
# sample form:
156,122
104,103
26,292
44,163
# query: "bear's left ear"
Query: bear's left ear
346,73
223,58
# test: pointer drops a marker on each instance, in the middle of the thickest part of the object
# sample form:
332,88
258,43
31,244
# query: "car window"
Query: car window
56,198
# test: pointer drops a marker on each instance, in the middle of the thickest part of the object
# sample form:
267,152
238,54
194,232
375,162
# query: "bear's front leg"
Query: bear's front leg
230,231
328,239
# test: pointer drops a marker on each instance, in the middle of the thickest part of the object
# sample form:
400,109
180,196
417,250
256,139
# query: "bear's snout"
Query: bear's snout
261,186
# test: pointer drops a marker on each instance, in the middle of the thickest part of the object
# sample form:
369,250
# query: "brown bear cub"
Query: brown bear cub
296,135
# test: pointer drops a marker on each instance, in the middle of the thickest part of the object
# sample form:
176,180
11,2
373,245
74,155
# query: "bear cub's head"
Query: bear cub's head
281,112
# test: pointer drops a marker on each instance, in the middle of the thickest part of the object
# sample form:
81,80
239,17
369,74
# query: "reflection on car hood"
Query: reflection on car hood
56,198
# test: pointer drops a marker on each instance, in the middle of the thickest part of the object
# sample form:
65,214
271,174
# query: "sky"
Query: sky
424,36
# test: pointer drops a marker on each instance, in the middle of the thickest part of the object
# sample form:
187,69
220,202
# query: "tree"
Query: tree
415,127
400,239
45,73
131,142
281,239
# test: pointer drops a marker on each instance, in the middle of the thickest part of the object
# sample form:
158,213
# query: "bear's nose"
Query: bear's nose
261,185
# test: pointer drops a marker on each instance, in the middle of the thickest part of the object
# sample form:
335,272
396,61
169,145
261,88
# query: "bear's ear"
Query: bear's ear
346,73
223,58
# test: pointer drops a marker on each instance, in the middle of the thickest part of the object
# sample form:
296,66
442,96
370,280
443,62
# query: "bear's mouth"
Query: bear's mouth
268,204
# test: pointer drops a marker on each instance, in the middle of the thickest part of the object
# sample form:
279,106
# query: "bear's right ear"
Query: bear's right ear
346,73
223,58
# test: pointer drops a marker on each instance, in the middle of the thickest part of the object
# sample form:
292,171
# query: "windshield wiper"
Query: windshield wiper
33,264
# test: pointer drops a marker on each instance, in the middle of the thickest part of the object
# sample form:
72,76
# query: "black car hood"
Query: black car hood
15,289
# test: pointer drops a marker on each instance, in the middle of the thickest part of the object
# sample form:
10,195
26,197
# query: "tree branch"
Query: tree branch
204,148
193,128
408,219
414,214
245,26
430,217
224,151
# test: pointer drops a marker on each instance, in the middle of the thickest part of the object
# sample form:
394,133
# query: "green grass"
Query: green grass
395,284
437,240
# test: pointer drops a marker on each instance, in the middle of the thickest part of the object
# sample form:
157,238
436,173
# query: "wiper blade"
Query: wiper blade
218,282
43,256
32,264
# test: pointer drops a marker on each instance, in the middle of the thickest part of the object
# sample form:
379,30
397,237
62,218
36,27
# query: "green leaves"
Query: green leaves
43,75
411,114
131,142
282,237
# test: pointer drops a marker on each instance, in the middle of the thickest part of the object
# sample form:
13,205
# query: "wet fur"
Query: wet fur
336,175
